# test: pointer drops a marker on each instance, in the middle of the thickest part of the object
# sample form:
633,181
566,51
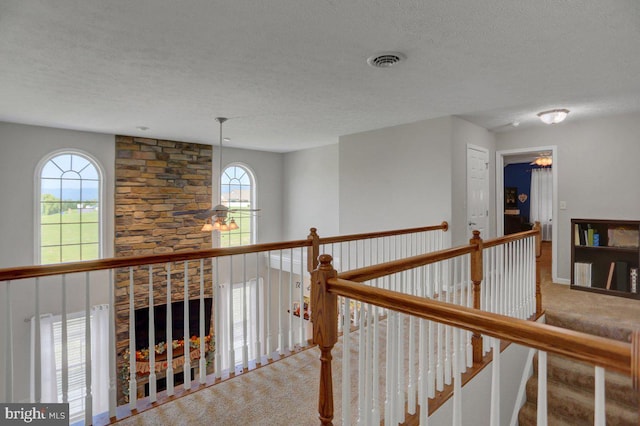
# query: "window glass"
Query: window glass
69,209
237,191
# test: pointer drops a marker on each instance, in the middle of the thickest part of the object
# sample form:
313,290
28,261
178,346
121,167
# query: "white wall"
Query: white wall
396,177
21,148
311,192
598,170
464,134
476,395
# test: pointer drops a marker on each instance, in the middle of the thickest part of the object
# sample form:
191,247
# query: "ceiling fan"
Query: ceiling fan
220,211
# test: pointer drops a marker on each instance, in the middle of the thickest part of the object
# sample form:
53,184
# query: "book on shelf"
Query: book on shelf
612,268
582,274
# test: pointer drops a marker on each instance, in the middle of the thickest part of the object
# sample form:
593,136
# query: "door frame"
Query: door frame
488,185
500,198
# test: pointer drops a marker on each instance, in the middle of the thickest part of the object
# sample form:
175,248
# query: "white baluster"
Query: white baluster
542,389
203,362
269,349
112,348
290,316
88,398
375,374
217,321
457,385
495,383
65,353
133,384
346,364
232,351
367,364
280,310
361,367
258,351
245,315
303,338
186,332
599,412
169,334
8,344
38,349
412,385
153,397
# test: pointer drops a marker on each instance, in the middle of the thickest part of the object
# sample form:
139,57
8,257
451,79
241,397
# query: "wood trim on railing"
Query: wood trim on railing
123,262
344,238
608,353
387,268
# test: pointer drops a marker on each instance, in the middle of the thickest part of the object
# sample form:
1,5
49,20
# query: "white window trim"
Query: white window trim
37,188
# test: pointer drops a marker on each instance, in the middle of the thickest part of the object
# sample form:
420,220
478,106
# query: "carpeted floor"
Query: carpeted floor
285,392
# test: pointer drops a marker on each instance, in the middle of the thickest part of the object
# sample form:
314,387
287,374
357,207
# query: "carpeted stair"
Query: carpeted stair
570,384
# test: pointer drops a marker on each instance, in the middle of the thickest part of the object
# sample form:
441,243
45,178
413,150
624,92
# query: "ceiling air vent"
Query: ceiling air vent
385,60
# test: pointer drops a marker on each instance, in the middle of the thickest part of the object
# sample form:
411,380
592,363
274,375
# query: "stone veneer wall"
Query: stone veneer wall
155,178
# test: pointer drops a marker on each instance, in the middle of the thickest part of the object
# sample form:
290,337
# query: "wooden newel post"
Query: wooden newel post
537,227
313,251
476,278
324,316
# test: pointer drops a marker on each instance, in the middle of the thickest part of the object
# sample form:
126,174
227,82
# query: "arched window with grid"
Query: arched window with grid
69,199
237,192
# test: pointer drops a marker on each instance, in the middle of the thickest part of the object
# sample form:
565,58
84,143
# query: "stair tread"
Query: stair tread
618,387
528,417
576,404
597,326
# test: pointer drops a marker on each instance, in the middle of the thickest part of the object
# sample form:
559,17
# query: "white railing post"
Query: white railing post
88,398
346,363
599,412
38,347
495,383
217,299
169,333
152,343
542,389
186,369
133,384
8,344
245,316
112,349
203,362
65,341
457,378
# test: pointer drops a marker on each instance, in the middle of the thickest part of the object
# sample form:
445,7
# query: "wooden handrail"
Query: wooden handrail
509,238
600,351
344,238
22,272
387,268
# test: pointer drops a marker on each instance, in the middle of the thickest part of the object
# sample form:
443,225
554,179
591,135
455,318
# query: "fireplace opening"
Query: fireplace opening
177,317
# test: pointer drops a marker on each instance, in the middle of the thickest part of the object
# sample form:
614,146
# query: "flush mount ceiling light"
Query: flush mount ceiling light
554,116
385,59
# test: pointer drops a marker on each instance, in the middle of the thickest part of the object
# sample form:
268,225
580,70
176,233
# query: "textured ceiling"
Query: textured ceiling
292,74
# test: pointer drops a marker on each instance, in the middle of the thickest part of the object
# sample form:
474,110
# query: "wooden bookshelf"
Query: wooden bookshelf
603,254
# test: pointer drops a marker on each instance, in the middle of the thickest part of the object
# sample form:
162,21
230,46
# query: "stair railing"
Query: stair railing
328,285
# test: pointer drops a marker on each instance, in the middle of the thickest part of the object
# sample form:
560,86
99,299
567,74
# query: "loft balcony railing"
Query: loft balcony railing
260,302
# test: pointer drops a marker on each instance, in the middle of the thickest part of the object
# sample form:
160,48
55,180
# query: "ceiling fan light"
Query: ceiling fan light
553,116
216,225
207,227
224,227
233,225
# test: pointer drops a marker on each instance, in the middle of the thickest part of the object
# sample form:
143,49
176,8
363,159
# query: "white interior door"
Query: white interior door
478,190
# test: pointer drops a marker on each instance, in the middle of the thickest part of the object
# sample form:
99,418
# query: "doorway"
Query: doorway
519,156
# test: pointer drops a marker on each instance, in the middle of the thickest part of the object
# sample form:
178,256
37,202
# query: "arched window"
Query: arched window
69,206
237,191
